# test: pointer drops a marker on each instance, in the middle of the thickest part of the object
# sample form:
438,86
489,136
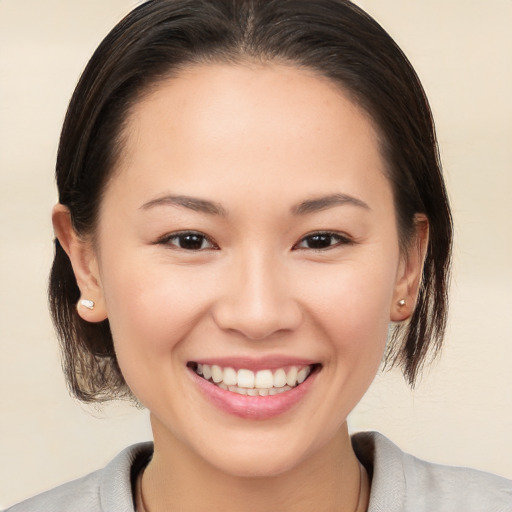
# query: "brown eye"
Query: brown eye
319,241
188,241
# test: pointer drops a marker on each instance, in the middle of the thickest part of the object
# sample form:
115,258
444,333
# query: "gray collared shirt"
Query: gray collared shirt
399,483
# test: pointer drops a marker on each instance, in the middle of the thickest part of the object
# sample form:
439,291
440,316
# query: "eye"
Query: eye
188,241
322,240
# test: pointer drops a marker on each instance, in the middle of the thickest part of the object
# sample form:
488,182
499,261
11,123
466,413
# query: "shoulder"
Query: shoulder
403,483
108,489
81,494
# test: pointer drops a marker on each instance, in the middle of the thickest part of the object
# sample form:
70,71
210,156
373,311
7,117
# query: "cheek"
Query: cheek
351,305
149,305
152,315
151,311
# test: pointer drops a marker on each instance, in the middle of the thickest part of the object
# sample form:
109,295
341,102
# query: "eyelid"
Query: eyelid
166,239
343,239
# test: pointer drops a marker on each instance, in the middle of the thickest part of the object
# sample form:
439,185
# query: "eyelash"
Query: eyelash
202,238
167,239
341,240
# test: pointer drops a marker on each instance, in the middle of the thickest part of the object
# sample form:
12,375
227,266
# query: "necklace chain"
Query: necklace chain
139,497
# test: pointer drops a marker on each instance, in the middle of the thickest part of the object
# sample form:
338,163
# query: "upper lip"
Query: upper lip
255,363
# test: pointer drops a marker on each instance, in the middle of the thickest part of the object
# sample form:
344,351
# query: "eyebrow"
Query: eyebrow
212,208
322,203
192,203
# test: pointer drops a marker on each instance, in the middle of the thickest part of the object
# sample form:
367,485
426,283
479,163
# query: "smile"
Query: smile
269,389
263,382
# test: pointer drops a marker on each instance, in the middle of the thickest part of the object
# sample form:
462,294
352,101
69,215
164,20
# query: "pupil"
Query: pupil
191,241
319,241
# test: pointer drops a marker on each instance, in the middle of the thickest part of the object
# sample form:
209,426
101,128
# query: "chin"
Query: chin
259,457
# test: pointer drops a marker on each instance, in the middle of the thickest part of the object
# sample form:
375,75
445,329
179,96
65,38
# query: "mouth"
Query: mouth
264,382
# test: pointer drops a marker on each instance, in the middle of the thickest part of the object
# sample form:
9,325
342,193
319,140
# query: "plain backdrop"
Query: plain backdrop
461,410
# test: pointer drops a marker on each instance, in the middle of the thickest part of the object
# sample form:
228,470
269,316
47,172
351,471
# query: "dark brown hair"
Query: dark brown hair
334,38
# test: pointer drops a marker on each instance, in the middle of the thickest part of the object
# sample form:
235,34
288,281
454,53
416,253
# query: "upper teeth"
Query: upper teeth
247,379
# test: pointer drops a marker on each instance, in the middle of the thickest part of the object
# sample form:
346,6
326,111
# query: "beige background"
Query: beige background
461,412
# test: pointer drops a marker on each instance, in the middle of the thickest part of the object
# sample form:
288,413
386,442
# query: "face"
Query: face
249,231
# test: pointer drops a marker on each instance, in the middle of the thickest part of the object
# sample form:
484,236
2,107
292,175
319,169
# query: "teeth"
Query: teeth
264,379
280,378
291,376
245,379
255,392
207,371
301,376
240,391
247,382
217,374
230,377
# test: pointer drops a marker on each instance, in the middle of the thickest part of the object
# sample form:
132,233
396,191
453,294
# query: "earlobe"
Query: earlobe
91,306
410,272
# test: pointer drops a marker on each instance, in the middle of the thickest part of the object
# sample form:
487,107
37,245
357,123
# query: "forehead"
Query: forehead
216,123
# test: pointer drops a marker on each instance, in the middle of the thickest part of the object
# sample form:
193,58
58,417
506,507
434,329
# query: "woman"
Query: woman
249,193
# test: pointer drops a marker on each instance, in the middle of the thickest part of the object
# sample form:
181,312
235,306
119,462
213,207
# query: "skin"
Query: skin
257,141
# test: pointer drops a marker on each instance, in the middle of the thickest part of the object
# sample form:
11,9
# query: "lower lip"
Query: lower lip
253,407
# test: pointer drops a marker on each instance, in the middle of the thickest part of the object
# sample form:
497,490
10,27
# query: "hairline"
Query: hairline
223,58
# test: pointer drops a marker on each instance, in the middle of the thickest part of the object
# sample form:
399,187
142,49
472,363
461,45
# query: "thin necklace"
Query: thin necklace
139,497
364,488
361,501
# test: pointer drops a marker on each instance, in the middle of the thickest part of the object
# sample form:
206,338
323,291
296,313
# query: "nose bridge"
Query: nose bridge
258,299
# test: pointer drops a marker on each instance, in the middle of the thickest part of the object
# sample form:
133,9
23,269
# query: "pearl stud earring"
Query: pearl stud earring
401,303
86,303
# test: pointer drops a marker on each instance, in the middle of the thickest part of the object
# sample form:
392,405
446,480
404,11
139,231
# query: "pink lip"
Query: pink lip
252,407
255,364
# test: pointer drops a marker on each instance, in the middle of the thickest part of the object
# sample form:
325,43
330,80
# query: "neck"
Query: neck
179,479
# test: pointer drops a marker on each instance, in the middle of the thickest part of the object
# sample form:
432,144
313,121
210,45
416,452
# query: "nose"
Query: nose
257,299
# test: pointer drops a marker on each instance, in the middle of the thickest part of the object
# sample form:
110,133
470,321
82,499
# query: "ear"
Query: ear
410,272
91,306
